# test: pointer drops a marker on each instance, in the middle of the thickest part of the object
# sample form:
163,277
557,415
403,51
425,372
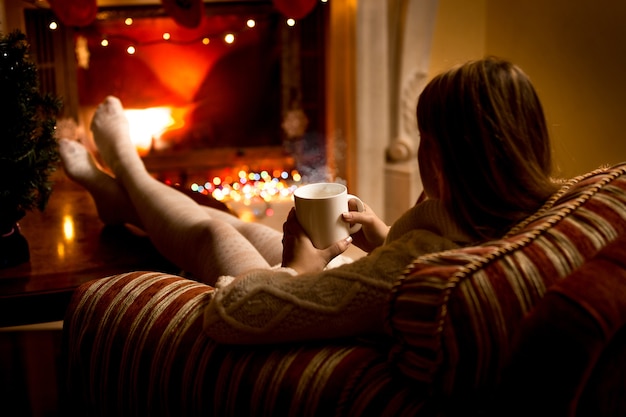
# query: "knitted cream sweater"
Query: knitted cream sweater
275,305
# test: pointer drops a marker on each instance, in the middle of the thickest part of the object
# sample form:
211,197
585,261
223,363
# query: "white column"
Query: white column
372,101
414,33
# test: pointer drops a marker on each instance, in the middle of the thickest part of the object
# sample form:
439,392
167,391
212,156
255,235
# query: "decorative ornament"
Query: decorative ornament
186,13
75,12
400,150
295,9
295,123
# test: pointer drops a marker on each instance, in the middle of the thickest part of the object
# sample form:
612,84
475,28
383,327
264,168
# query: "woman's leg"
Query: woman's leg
114,205
196,238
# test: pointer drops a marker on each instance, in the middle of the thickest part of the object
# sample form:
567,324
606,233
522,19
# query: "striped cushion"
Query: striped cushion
453,313
572,345
135,347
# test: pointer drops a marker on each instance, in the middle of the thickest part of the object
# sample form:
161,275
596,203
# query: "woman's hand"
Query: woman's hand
299,252
373,230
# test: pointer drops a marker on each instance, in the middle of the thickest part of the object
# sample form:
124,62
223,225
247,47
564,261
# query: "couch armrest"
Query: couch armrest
569,356
134,345
454,313
122,337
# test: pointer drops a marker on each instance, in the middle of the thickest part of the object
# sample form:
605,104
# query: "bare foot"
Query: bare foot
112,136
111,201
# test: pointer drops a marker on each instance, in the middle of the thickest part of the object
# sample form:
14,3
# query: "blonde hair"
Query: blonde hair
486,127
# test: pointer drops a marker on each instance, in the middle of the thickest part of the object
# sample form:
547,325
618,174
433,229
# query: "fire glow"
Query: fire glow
147,126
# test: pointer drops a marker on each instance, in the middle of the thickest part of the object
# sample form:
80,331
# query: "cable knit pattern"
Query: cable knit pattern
273,305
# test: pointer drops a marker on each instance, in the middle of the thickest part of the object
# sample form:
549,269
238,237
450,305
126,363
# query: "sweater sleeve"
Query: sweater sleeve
276,305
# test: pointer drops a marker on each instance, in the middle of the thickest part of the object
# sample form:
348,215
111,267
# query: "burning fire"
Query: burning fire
147,126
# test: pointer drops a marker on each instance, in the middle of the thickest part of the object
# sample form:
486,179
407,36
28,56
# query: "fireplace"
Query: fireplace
238,99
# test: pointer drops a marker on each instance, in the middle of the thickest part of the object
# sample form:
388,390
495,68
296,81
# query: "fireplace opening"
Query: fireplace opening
217,85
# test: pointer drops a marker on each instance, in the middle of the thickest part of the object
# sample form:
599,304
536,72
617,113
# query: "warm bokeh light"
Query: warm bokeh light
61,250
53,25
68,228
131,50
251,23
291,22
128,21
249,186
167,36
104,42
229,38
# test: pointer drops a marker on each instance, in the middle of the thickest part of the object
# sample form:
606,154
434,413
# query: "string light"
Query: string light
229,37
247,186
53,25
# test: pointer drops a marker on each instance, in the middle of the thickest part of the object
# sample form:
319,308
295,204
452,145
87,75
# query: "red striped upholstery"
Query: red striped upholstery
135,346
569,355
454,313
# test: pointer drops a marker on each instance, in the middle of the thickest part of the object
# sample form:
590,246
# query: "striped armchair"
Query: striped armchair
533,321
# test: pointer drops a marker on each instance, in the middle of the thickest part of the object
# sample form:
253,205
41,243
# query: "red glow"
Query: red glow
172,68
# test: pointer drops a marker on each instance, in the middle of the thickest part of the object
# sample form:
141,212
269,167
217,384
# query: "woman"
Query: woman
485,162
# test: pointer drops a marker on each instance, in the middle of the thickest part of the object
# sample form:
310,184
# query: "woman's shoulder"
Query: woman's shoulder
430,215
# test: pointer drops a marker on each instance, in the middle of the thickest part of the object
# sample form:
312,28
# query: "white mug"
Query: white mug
318,209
